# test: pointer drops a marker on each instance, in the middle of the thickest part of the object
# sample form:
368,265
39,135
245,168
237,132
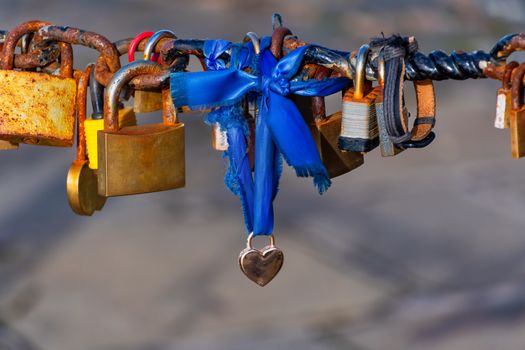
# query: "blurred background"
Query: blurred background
422,251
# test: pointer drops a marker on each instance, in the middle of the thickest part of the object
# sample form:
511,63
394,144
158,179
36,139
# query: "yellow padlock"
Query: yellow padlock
82,192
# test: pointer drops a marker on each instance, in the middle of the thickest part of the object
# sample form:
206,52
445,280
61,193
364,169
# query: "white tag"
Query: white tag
220,138
501,102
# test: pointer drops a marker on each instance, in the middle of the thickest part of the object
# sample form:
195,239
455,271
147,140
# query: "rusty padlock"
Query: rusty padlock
82,192
150,101
144,158
517,114
36,108
325,131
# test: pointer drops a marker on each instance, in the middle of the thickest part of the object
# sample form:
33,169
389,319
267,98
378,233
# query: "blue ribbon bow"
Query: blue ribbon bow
280,128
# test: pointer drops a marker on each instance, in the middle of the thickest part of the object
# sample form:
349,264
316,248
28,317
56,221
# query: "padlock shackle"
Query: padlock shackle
516,89
120,79
276,45
82,88
254,38
249,240
360,72
318,102
149,50
169,112
133,46
96,94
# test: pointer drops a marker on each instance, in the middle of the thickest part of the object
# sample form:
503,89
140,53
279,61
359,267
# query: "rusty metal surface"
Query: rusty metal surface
12,38
117,83
143,82
76,36
37,108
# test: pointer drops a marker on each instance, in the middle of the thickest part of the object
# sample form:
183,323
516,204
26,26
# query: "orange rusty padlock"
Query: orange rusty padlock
82,192
517,114
143,158
36,108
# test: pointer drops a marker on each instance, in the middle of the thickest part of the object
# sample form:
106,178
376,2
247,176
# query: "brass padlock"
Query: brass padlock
82,192
145,101
503,101
359,131
143,158
517,114
36,108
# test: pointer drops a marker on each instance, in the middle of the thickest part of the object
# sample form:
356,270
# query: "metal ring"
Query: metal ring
250,239
150,45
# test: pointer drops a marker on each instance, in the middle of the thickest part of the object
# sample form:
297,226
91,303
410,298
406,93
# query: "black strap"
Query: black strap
395,50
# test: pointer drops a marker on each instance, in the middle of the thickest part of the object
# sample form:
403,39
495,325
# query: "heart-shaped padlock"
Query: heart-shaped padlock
261,265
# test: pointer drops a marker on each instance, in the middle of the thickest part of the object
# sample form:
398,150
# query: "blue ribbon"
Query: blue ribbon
280,128
238,177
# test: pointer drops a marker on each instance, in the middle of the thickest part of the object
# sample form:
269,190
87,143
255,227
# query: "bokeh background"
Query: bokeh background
422,251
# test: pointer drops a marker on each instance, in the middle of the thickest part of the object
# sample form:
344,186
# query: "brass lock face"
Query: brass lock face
147,101
36,108
82,191
143,158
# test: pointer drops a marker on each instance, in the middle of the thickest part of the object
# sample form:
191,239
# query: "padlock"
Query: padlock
503,101
150,101
517,114
359,131
126,117
82,192
326,131
143,158
36,108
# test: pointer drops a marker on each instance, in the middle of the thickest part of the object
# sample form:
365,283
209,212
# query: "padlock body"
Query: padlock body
326,136
359,131
37,108
141,159
517,132
147,101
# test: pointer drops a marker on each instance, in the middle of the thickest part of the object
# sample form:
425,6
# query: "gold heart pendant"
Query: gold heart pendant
261,266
